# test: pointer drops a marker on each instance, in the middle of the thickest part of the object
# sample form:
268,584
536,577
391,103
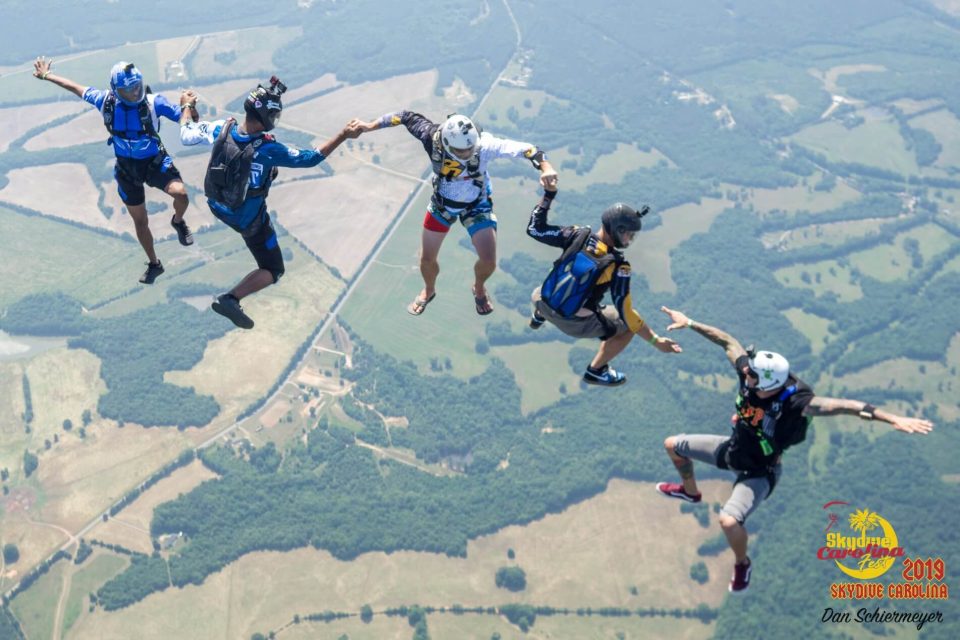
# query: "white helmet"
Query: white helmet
459,133
772,370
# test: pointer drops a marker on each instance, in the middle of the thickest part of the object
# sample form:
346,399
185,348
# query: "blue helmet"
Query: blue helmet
127,83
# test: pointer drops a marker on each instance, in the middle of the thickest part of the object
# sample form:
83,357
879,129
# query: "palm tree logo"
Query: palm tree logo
863,521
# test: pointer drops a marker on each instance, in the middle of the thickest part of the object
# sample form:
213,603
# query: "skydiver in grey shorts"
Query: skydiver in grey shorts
773,411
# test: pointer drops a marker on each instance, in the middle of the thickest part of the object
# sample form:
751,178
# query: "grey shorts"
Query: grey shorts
747,494
604,325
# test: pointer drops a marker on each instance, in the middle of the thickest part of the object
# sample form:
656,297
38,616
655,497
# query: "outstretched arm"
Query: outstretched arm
730,344
840,406
352,130
420,127
41,70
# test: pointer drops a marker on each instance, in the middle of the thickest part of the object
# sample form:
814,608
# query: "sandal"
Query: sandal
484,307
419,305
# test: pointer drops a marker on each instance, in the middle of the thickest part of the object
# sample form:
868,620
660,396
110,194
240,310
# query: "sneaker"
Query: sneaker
741,577
184,235
605,376
536,320
153,270
676,490
229,307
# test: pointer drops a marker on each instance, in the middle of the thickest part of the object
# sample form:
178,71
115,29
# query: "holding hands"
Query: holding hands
188,101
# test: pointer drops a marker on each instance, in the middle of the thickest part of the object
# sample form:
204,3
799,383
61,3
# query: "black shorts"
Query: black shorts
133,173
261,240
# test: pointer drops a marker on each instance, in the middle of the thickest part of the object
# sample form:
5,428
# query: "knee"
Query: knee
428,261
728,522
669,444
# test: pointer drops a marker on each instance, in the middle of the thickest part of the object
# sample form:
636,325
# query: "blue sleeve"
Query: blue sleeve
162,107
280,155
95,97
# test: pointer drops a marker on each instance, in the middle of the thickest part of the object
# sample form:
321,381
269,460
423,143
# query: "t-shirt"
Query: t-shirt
756,417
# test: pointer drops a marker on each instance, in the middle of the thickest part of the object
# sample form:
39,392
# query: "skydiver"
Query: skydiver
773,410
131,115
592,264
237,193
460,153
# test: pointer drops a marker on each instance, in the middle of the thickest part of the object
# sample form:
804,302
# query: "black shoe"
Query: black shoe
153,270
536,320
184,235
229,307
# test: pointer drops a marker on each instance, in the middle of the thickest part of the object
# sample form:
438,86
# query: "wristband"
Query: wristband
43,76
689,323
653,339
868,411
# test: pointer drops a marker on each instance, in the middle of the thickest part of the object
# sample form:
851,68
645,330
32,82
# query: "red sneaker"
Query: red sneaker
741,577
675,490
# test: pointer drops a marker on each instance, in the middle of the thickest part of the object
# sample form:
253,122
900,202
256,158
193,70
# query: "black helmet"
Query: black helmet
621,218
264,103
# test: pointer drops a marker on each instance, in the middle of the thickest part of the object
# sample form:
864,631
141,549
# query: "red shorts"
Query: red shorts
430,223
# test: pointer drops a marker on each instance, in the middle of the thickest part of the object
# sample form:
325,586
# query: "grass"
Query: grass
832,278
248,51
803,197
285,315
815,328
831,234
876,142
946,128
938,381
609,168
97,569
589,555
503,97
654,247
34,606
529,362
86,265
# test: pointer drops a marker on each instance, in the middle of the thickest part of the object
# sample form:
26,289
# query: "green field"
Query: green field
946,128
34,607
503,98
876,142
95,571
610,168
802,197
86,265
530,361
240,53
815,328
833,278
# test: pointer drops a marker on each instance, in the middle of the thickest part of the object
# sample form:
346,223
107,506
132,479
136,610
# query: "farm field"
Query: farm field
591,554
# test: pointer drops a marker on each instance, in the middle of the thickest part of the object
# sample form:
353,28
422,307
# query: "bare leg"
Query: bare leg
736,536
142,226
254,281
610,347
485,242
684,468
176,189
429,267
